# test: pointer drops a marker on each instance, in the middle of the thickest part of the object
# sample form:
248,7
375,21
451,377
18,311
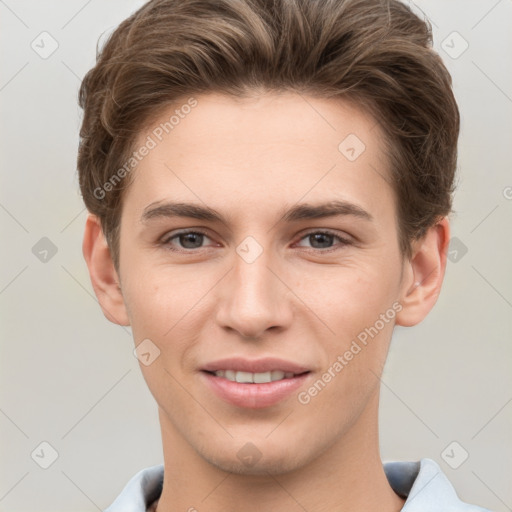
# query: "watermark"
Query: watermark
249,249
454,45
304,397
457,249
150,143
44,455
249,454
44,250
146,352
44,45
351,147
455,455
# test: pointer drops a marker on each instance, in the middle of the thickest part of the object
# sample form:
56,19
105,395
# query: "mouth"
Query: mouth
255,378
254,384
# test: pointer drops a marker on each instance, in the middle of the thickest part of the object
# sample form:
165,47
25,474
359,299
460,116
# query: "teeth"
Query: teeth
257,378
261,378
276,375
244,377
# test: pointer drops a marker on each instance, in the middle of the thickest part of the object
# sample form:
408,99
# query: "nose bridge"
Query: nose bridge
253,299
252,276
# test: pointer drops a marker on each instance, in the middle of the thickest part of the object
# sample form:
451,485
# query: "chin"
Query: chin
249,460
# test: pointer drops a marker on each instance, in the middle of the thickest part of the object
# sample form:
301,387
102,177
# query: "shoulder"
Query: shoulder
141,490
425,487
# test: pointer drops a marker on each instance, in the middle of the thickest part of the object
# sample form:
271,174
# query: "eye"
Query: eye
323,240
187,240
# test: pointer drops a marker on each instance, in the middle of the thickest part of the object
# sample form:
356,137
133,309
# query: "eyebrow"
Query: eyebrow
298,212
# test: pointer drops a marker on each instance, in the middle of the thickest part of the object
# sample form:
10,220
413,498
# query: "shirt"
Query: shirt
423,484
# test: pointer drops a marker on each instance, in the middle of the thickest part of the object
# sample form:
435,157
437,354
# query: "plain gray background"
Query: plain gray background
69,378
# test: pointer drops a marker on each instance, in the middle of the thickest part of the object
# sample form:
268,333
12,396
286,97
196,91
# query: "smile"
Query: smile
254,378
254,384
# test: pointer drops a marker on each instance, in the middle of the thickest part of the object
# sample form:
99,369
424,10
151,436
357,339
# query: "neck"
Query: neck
348,476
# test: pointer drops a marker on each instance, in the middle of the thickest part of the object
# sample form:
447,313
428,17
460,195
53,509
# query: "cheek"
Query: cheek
157,298
165,306
352,297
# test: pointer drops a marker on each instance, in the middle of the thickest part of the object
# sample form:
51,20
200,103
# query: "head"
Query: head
235,121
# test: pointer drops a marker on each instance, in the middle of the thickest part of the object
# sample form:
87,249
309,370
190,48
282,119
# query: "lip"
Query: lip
266,364
253,396
250,395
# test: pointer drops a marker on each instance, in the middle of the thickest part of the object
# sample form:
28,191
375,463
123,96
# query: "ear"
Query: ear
423,275
104,278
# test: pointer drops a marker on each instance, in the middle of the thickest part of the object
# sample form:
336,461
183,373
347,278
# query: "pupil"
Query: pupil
319,236
193,240
189,237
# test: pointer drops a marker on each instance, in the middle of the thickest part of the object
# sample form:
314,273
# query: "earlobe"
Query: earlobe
424,274
104,278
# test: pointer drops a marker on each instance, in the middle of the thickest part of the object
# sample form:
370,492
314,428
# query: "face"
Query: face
285,266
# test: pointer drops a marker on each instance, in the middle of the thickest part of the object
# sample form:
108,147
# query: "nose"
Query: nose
254,298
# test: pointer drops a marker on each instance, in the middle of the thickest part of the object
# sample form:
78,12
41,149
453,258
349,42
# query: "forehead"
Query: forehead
268,118
259,151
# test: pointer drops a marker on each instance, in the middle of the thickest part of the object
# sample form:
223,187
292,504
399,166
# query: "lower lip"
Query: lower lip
253,396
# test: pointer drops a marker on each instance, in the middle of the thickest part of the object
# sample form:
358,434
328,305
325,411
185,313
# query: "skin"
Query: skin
251,160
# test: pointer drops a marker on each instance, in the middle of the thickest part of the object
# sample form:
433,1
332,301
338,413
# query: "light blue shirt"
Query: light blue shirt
423,483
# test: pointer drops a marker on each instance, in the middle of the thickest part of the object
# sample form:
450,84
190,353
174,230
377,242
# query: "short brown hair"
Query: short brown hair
375,53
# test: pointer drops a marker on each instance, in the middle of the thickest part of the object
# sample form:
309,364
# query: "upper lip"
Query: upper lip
254,365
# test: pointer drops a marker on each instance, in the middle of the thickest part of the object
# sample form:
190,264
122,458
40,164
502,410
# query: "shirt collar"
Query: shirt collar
423,484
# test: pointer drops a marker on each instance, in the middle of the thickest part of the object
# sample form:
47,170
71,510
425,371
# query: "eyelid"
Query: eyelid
171,234
166,239
343,241
326,231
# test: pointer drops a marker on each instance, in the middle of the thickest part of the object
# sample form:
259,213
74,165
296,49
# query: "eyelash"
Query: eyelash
343,241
